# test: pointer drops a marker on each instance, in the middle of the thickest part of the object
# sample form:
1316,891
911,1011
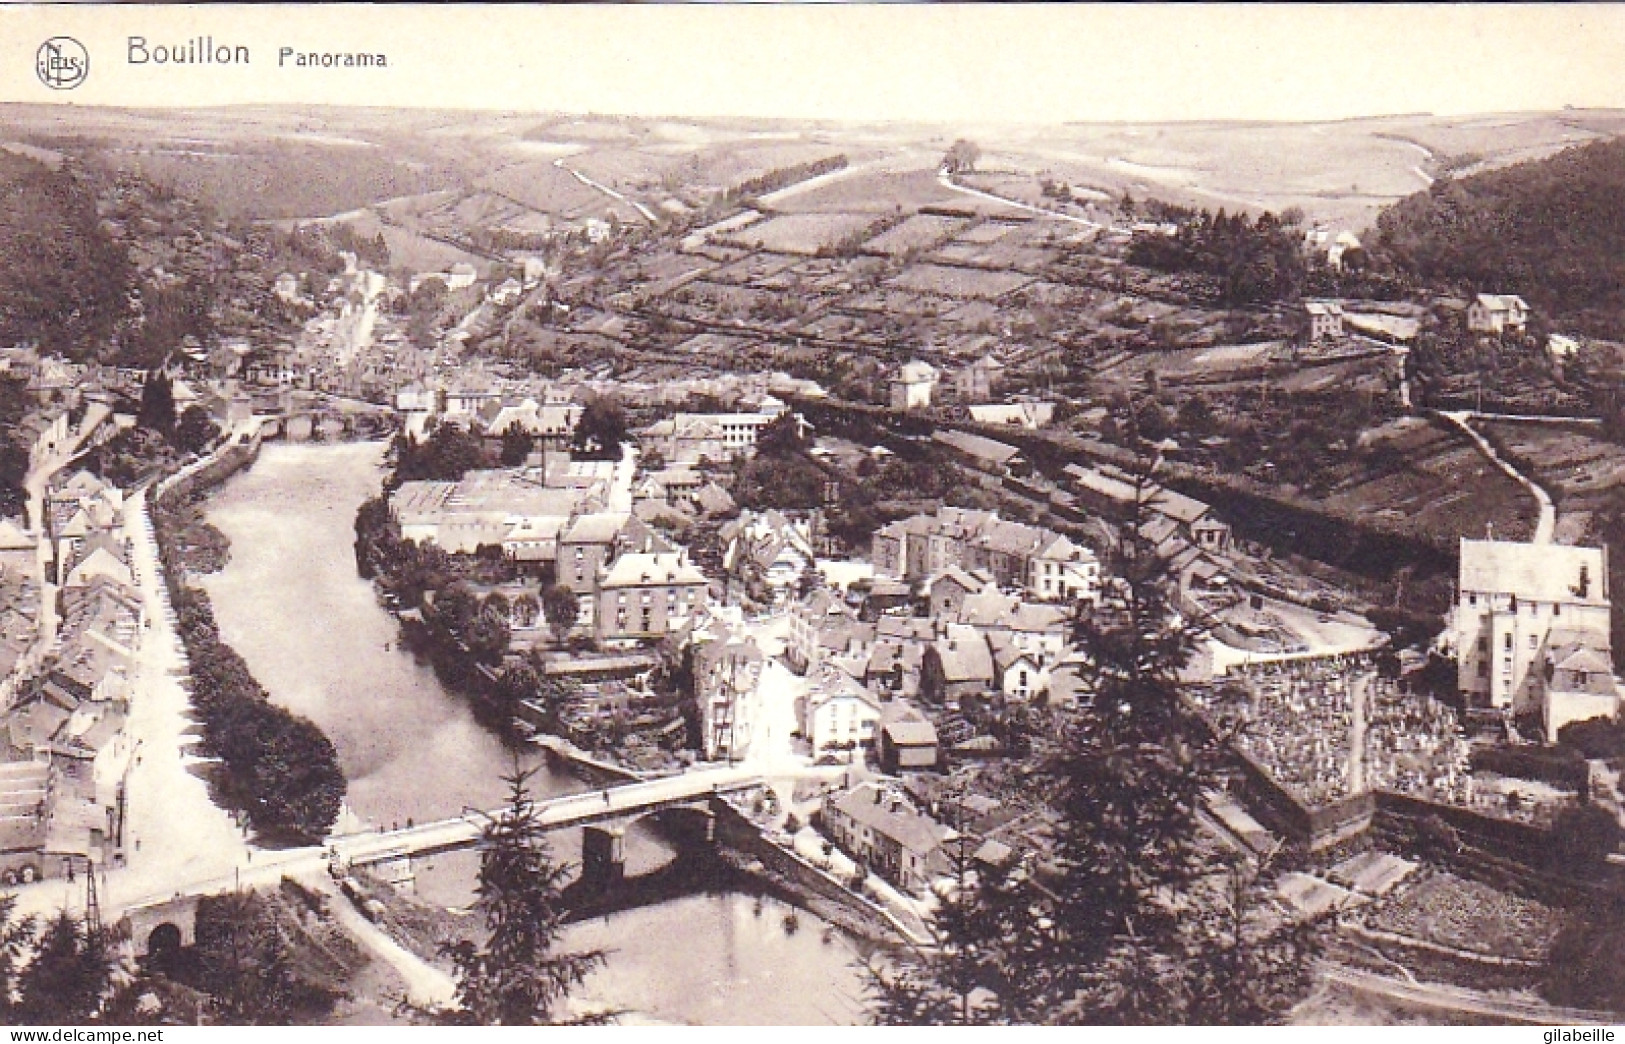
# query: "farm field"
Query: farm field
1415,476
800,233
1580,470
919,233
959,282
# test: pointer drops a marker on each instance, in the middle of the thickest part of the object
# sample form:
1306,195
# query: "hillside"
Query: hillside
63,279
1552,230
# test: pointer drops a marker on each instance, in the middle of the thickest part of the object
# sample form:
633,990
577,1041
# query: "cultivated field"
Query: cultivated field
800,233
959,282
1582,472
919,233
1447,910
1418,477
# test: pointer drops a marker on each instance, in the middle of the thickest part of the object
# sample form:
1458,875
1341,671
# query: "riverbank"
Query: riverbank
275,769
411,749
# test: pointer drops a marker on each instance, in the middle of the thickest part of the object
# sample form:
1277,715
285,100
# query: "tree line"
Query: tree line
1551,230
277,768
1252,261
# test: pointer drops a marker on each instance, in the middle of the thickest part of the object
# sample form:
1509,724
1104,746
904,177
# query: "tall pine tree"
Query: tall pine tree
517,978
1148,922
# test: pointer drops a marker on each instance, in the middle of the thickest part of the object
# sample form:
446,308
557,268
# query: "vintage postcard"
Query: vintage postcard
811,515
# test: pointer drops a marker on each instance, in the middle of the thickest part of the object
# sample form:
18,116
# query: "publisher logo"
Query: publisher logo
62,63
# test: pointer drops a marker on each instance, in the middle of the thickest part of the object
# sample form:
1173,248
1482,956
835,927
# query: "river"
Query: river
314,635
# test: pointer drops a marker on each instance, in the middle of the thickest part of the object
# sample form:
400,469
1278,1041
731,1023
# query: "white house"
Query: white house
1325,320
913,385
837,712
1531,629
1497,313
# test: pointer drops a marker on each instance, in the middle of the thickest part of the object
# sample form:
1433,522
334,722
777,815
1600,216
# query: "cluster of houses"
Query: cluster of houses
692,438
65,755
633,584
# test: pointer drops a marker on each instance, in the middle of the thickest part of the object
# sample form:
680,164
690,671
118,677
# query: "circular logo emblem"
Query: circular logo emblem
62,63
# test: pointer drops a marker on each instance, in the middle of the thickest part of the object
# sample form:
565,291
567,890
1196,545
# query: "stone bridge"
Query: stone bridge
604,813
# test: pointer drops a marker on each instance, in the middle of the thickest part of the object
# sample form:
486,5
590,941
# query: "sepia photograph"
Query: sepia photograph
811,514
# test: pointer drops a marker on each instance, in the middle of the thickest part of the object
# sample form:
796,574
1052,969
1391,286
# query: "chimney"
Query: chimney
878,795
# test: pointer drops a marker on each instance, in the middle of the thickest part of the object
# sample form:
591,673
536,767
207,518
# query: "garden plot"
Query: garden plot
920,232
801,233
1416,477
959,282
1578,468
1446,910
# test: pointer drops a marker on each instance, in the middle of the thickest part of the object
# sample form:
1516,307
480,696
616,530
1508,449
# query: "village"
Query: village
830,495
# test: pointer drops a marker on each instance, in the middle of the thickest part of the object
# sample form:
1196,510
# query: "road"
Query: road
174,832
426,985
1458,999
948,182
1547,523
648,215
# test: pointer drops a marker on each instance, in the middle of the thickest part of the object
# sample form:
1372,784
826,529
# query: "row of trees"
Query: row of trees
277,767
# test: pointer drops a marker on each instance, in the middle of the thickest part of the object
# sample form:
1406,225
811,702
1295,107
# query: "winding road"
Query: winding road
1547,523
947,182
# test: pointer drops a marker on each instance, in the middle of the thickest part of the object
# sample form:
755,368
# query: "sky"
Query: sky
967,64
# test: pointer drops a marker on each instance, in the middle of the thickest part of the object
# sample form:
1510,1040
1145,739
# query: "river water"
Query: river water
314,635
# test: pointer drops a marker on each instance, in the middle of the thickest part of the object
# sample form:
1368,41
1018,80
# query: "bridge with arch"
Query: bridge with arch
173,916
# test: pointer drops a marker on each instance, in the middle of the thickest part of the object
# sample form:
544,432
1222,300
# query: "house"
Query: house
726,674
713,501
1344,247
766,555
924,545
688,438
836,712
506,294
949,589
460,276
979,381
810,617
893,667
1016,672
956,666
286,287
586,546
912,386
907,740
1521,610
1325,320
100,562
1042,563
645,596
882,830
415,398
1028,415
1497,314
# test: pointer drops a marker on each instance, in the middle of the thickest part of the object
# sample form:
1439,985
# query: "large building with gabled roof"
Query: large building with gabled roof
1531,631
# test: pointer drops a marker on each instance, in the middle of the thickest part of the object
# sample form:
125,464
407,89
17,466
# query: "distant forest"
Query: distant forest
1551,230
